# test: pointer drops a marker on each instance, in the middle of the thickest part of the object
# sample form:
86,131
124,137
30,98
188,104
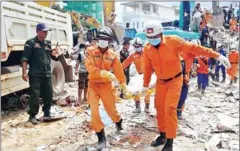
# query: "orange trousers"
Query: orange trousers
104,91
233,28
166,101
233,71
146,99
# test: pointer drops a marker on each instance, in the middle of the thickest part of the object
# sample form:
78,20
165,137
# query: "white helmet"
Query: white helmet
233,46
153,28
196,41
87,43
137,42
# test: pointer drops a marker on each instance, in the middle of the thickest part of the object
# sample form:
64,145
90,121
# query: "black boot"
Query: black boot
168,146
33,119
146,110
231,82
138,108
101,139
217,79
235,79
179,114
223,80
160,140
119,125
203,91
47,116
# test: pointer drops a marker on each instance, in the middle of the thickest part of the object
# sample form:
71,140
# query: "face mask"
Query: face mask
138,49
103,43
154,42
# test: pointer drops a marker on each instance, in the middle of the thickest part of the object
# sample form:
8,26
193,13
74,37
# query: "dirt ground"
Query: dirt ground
209,122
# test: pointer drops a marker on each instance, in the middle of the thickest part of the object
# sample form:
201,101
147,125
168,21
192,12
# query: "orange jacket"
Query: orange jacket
233,22
166,61
203,62
233,57
97,61
137,58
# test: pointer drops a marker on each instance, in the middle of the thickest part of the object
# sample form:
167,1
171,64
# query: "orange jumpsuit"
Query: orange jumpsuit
137,58
101,88
233,58
166,62
233,24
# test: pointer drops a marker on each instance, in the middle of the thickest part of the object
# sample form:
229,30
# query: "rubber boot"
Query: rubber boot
235,79
217,79
199,87
101,140
119,125
231,82
160,140
203,91
179,114
137,109
146,110
168,146
33,119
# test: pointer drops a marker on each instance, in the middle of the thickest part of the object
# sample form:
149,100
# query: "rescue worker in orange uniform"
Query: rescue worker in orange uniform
162,55
137,58
233,58
187,62
202,73
100,62
233,24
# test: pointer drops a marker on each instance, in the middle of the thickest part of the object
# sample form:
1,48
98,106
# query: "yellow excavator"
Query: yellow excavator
86,24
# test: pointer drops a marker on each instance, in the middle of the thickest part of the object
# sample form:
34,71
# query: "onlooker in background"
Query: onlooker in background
197,13
225,15
220,66
205,36
124,54
82,75
186,21
230,12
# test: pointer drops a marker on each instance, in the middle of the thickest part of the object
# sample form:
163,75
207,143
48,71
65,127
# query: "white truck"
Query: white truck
18,24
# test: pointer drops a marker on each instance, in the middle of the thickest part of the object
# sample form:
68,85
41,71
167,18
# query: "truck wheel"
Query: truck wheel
58,77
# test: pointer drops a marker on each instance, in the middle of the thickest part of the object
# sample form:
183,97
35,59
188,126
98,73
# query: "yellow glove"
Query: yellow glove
126,93
107,74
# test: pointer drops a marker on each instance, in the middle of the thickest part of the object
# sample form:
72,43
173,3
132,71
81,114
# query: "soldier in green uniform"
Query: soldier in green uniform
38,53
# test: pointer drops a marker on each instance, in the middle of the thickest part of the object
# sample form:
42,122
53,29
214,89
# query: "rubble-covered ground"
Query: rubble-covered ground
210,122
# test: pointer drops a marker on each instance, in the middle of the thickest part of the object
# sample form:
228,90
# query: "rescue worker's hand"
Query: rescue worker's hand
107,74
144,90
125,91
224,61
198,65
25,76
